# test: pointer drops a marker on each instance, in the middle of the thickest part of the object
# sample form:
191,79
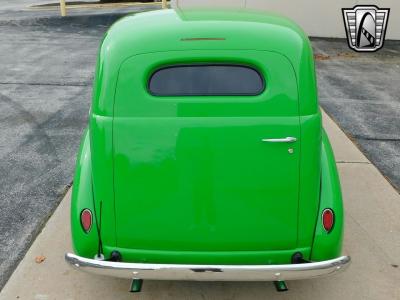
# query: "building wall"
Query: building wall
319,18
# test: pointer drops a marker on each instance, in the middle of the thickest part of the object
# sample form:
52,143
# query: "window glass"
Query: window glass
206,80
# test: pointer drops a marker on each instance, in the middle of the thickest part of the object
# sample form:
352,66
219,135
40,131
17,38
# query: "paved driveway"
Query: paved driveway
47,65
361,91
45,88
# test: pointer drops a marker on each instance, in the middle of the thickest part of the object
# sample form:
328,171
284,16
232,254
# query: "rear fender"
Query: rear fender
328,245
84,244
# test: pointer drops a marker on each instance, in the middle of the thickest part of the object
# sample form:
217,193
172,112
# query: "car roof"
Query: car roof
175,30
168,30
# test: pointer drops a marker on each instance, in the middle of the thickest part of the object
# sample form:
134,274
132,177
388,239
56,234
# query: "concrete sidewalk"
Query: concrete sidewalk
372,238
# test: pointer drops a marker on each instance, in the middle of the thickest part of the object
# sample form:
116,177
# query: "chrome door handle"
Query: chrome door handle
288,139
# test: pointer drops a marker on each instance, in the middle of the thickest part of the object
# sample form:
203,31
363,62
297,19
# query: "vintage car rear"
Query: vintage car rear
205,158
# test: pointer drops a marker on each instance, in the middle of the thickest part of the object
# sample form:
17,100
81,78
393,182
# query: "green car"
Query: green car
205,157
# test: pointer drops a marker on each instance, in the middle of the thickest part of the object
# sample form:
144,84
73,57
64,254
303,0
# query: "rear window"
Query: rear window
206,80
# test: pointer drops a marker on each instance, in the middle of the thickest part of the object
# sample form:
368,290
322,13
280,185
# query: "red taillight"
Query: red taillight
86,219
328,219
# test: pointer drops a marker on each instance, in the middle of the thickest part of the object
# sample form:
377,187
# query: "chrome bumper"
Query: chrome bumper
209,272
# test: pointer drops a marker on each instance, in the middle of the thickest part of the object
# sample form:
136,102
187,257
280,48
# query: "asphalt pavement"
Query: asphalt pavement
47,65
361,92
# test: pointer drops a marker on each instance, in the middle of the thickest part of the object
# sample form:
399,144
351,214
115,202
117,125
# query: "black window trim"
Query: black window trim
261,91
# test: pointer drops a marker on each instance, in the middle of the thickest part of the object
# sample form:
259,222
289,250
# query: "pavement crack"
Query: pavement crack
354,162
37,128
367,138
46,84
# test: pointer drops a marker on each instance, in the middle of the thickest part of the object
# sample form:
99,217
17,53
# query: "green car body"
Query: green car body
191,179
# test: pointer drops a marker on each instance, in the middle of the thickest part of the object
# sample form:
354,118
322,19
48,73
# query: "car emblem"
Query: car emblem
365,27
